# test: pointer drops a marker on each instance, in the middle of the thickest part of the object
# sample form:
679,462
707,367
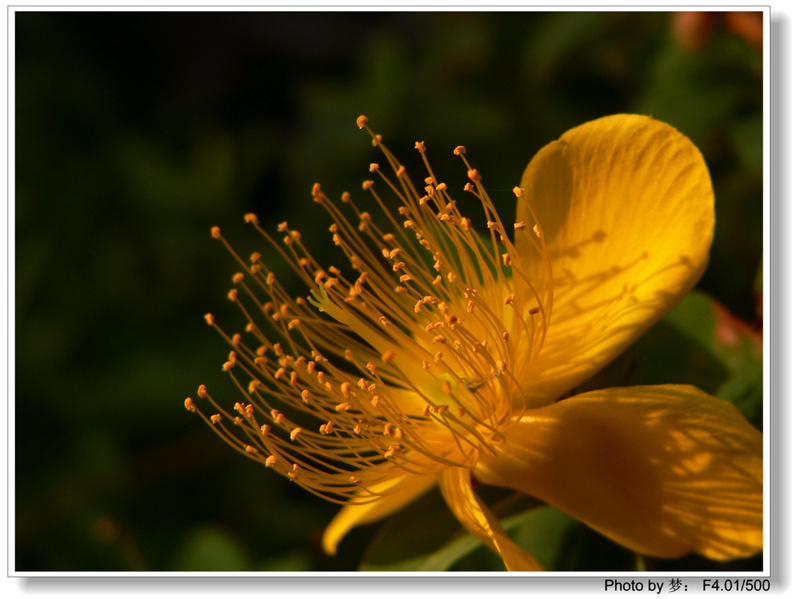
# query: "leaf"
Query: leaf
210,548
426,536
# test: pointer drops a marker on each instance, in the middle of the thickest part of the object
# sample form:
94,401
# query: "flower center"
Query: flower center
416,363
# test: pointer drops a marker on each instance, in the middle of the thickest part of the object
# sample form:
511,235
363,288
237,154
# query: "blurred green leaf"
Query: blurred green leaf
294,561
426,536
745,389
210,548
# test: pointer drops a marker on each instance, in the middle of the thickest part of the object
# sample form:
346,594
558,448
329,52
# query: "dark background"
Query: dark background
136,132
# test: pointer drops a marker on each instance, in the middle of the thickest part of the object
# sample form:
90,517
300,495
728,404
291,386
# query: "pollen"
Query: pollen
404,363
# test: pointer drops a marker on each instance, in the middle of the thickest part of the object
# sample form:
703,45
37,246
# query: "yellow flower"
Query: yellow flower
443,355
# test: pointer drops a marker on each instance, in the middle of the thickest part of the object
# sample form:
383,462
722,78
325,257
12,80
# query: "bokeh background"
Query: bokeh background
136,132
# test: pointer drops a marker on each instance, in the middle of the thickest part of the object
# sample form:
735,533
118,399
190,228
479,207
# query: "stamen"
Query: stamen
426,341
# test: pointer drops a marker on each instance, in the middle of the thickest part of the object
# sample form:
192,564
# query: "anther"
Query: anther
518,191
189,404
361,121
251,218
215,232
209,318
420,146
295,432
460,150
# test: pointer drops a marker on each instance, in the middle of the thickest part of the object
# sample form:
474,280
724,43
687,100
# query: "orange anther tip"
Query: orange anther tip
251,218
420,145
518,191
473,174
316,189
189,404
360,121
367,184
460,150
209,318
215,232
374,167
201,391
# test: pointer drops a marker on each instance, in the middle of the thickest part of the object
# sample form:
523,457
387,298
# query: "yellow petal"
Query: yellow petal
396,494
456,485
662,470
626,208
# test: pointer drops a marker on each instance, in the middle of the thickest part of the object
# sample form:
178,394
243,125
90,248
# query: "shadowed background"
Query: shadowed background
136,132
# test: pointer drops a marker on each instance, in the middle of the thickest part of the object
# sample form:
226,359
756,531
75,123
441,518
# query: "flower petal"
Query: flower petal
456,485
397,493
662,470
626,209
